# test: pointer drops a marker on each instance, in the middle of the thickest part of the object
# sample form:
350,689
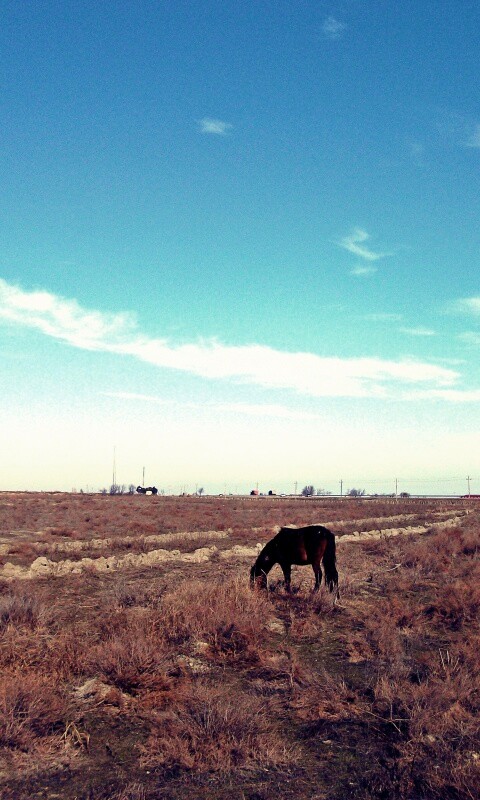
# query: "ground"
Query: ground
137,663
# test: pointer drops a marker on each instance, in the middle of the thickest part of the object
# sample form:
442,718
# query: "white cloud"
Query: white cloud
470,338
354,244
449,395
62,319
332,28
417,331
254,364
215,126
361,270
468,305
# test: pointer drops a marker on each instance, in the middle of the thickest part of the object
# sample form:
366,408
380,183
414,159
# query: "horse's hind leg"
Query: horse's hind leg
318,576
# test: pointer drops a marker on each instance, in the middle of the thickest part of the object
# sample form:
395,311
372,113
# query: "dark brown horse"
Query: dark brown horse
310,545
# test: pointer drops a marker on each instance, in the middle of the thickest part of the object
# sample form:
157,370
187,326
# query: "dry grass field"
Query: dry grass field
136,663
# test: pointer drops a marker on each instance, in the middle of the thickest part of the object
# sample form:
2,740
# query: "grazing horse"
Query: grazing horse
310,545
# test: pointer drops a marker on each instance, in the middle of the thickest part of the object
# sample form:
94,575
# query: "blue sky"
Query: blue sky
240,244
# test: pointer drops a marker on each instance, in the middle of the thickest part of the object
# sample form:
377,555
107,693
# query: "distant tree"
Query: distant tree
200,491
117,488
356,492
404,494
308,491
131,489
323,493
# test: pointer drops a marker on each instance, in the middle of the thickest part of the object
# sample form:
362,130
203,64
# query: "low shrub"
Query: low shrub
20,609
217,729
30,708
227,614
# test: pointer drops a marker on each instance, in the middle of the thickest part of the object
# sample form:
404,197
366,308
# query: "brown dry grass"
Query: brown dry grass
216,728
179,681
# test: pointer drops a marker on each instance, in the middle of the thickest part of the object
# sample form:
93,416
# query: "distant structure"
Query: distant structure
254,493
147,490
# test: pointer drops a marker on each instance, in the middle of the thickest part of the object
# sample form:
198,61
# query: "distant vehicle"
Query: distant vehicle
254,493
147,490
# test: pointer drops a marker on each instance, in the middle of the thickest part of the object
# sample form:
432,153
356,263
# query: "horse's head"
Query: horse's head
263,565
258,578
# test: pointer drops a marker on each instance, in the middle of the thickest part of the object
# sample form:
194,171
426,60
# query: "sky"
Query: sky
240,245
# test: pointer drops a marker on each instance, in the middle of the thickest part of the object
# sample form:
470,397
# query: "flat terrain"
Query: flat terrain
136,663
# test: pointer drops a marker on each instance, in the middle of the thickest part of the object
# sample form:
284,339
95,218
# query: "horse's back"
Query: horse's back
301,545
309,533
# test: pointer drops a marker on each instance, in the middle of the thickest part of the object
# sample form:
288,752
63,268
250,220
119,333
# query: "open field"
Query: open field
136,663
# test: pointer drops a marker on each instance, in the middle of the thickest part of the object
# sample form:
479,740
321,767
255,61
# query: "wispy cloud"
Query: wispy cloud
61,318
449,395
383,316
332,28
254,364
271,410
138,397
354,243
473,139
459,130
416,151
468,305
471,338
362,270
418,331
217,127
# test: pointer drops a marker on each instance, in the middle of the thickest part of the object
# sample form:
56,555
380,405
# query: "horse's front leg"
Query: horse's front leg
318,576
287,574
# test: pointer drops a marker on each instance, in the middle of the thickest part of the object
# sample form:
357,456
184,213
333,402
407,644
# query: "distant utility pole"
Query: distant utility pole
143,476
296,487
341,488
396,487
468,484
114,481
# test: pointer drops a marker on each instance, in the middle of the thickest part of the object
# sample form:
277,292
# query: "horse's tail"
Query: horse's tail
329,561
